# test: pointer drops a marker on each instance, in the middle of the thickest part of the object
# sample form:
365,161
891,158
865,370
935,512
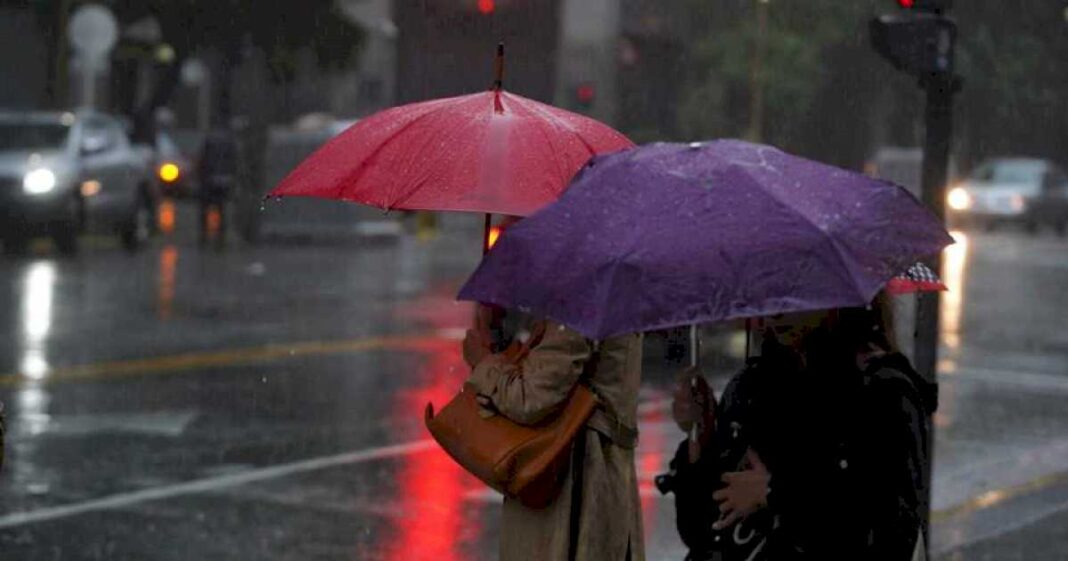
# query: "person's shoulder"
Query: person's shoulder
548,332
888,368
892,377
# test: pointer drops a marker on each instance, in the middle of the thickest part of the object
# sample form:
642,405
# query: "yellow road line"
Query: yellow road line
997,496
189,361
268,353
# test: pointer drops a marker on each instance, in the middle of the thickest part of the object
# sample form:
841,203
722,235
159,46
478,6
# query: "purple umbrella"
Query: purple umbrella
675,234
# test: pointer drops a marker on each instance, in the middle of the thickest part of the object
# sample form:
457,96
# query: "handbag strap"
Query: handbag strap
577,467
603,420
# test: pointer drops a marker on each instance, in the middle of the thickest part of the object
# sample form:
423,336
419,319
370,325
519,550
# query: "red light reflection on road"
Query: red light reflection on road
651,455
435,520
168,267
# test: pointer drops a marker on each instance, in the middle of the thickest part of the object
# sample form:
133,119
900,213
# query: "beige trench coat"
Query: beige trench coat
609,510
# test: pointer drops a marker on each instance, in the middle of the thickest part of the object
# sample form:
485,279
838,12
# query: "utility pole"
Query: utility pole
921,42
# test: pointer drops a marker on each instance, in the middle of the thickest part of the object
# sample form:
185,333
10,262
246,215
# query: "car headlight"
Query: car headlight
959,199
39,181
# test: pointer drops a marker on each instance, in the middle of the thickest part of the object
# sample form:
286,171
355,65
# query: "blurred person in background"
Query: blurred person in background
218,169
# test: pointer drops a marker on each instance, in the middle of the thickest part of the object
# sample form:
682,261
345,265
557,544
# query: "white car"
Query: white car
1024,191
62,173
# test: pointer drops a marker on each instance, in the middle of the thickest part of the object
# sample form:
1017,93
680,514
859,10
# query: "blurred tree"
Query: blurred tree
826,95
1015,66
808,62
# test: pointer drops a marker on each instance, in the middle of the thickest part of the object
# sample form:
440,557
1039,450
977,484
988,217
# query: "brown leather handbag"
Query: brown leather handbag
526,462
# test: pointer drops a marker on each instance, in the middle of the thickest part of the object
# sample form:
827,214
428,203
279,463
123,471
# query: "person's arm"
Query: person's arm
743,493
530,389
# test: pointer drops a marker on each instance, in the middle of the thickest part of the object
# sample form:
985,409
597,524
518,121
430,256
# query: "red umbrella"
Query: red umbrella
492,152
919,278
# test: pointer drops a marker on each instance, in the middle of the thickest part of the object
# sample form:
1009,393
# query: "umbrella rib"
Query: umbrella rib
808,220
402,199
555,120
356,174
549,141
617,261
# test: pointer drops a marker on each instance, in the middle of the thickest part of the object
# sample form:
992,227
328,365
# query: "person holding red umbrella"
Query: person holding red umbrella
596,515
489,153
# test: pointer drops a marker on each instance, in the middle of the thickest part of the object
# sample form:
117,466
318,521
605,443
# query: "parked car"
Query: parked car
62,174
1023,191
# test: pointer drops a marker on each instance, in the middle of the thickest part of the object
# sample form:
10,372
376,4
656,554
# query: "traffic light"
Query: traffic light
919,44
585,95
487,7
935,6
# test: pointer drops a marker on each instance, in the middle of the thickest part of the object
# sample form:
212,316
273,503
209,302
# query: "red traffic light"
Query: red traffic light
932,6
585,94
487,7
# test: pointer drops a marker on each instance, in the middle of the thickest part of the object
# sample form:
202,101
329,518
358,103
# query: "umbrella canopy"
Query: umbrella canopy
676,234
492,152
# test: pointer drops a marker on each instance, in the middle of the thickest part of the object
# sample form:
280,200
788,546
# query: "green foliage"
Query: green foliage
827,94
1013,64
717,100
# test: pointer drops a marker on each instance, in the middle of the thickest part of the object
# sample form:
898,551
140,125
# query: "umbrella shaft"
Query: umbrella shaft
486,234
695,346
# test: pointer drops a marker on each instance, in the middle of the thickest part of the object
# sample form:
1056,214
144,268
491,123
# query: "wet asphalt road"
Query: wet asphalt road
265,402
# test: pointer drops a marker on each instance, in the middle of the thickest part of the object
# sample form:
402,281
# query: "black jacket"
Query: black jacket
846,450
218,166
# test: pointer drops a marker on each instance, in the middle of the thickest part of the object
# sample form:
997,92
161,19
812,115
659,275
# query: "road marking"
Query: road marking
123,500
233,357
1003,530
995,497
1037,381
163,423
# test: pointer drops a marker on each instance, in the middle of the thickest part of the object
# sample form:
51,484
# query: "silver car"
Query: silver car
1024,191
61,174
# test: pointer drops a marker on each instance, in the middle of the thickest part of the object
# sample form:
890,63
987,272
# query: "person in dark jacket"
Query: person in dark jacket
818,448
218,171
